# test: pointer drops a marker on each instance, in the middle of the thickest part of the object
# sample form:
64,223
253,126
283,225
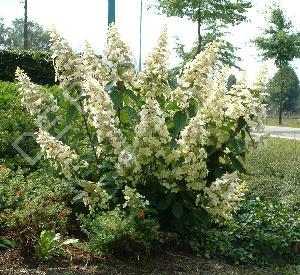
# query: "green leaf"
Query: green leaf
124,117
117,98
180,121
7,244
177,210
237,164
72,110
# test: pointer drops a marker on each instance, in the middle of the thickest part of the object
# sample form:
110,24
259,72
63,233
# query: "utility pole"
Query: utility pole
26,46
111,11
141,22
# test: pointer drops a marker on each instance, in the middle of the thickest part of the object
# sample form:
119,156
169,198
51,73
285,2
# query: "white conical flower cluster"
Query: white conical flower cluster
93,66
58,153
152,135
193,139
196,75
37,102
103,115
153,79
222,197
68,65
118,58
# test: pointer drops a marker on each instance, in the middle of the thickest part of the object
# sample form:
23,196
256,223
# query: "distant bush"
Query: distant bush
38,65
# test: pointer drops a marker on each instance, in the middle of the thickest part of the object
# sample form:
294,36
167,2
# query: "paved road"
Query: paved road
284,132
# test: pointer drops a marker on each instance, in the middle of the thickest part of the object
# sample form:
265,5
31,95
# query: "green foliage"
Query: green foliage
291,89
282,44
7,244
14,122
262,232
38,65
116,231
212,18
50,245
34,201
13,37
274,171
279,41
227,12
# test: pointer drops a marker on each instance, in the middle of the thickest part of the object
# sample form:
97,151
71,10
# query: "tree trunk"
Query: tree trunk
26,46
199,22
281,96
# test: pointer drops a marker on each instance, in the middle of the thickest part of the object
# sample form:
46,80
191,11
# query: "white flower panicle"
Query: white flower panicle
93,66
36,101
193,139
152,135
103,115
133,199
118,58
58,153
197,72
153,79
68,65
222,197
126,164
195,77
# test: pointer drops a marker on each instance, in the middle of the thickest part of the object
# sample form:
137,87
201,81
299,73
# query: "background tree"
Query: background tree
281,43
25,33
291,89
13,37
212,18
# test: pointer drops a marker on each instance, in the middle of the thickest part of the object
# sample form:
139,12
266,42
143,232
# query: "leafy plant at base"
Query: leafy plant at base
50,244
34,202
7,244
175,153
262,232
117,232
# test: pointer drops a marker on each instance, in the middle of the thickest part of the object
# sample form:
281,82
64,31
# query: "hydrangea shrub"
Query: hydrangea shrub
141,145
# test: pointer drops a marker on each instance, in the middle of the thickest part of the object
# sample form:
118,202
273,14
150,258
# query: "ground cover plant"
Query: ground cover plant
274,171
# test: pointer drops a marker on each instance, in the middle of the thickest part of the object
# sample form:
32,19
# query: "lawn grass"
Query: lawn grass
274,171
286,122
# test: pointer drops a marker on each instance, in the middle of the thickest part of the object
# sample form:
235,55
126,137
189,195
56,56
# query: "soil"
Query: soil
13,262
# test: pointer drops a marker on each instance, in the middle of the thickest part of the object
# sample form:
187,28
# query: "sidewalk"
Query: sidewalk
284,132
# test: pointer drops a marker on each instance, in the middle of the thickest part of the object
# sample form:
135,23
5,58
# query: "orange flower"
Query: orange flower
63,213
2,167
19,193
142,214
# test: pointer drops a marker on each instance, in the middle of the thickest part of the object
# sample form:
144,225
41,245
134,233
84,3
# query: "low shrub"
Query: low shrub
117,232
34,201
262,232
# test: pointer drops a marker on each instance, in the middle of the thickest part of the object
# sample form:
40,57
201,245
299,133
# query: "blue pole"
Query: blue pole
111,11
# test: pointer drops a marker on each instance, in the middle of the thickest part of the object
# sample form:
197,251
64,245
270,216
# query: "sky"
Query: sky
79,20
